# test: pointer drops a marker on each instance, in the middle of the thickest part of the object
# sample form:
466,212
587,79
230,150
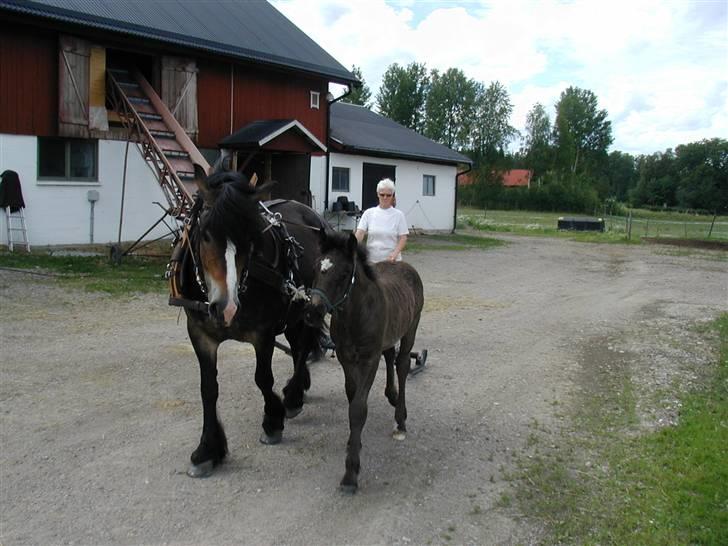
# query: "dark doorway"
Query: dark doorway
371,175
291,172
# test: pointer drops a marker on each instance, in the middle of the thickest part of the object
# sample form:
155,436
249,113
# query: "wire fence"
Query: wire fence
683,229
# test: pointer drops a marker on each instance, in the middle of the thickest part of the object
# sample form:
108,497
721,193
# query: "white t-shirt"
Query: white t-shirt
383,227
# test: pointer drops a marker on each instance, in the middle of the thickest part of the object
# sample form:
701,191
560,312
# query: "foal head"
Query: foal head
229,223
334,274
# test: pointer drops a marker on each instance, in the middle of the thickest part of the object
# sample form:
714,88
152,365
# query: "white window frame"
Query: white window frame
425,188
348,179
315,100
67,176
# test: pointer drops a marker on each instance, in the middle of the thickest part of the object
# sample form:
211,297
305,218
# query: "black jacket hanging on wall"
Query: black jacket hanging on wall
10,193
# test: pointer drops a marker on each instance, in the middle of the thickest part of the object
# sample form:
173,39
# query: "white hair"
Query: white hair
385,184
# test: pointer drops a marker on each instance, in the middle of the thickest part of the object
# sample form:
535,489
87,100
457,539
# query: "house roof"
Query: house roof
259,133
251,30
358,129
517,177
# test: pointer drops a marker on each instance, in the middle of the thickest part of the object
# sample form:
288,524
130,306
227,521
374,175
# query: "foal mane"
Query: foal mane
335,240
232,208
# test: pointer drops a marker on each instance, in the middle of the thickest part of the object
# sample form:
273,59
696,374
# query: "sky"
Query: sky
658,67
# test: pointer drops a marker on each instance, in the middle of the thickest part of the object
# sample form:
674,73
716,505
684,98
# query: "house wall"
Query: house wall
429,213
59,212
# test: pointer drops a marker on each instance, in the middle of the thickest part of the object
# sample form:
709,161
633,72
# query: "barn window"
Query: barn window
69,159
315,98
428,184
340,179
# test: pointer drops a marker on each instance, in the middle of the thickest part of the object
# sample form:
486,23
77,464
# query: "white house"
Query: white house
366,147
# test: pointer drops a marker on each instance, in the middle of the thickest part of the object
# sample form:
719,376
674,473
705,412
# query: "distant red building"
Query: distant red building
515,178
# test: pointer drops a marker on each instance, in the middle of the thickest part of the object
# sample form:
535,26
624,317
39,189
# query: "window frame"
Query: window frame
347,170
67,178
425,179
315,100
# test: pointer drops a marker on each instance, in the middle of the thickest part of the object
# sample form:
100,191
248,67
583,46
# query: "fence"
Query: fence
684,229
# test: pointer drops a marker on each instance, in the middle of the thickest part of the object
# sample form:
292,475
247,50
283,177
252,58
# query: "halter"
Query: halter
331,307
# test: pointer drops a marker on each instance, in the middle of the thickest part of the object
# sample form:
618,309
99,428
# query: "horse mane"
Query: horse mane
233,210
339,241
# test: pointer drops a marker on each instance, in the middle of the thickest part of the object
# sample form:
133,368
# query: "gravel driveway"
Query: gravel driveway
100,405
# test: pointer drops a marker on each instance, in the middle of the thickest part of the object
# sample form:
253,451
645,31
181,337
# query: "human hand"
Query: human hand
392,257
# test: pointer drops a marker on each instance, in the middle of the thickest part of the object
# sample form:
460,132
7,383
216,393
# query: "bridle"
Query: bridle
331,307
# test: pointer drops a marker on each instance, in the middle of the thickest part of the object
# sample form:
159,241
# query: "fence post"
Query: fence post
712,224
629,226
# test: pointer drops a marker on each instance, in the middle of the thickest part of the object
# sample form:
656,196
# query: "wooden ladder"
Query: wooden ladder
164,143
18,218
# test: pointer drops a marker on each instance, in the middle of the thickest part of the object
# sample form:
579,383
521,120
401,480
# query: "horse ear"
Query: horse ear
201,179
263,192
253,180
352,244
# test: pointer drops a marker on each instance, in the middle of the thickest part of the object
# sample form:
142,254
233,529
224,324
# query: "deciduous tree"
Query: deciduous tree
450,108
359,95
403,94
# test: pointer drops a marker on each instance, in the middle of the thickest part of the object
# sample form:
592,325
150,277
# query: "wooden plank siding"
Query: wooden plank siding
258,95
28,80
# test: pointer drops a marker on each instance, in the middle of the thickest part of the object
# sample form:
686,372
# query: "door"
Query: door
179,91
371,175
73,83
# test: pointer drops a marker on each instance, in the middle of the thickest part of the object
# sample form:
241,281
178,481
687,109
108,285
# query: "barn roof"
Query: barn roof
358,129
251,30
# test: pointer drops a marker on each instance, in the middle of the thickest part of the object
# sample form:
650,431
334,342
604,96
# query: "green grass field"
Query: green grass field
644,224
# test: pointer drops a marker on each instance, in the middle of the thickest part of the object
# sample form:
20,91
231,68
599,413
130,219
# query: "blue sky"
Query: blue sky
659,67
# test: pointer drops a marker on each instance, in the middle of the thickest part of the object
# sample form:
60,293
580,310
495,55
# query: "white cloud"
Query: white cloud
660,68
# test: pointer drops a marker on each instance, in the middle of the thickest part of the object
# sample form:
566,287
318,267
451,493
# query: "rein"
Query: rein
331,307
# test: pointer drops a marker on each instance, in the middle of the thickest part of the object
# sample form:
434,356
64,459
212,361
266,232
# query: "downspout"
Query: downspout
455,214
328,144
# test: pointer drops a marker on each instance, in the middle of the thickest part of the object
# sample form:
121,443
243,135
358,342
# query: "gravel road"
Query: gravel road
100,405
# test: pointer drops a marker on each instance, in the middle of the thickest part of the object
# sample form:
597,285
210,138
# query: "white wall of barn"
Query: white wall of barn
423,212
58,213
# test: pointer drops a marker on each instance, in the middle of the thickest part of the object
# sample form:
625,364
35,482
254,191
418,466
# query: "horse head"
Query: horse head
228,226
334,275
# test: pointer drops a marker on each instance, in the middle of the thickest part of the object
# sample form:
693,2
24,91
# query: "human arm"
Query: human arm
401,242
359,234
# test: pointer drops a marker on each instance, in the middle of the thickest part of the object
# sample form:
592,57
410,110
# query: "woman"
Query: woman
384,226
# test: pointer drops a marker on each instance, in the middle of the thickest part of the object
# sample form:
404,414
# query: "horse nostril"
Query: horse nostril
214,309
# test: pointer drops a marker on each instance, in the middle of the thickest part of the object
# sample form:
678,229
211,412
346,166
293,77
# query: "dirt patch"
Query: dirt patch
690,243
100,403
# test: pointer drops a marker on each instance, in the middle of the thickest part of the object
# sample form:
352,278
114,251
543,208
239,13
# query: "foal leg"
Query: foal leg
273,407
390,389
301,341
213,445
358,382
403,368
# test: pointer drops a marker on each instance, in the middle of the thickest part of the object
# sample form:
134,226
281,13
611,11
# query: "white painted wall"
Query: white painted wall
428,213
59,212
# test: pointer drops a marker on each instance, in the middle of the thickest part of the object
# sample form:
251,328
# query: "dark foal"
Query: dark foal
237,281
372,308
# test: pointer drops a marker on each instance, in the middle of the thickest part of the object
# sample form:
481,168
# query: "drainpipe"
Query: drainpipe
455,214
328,131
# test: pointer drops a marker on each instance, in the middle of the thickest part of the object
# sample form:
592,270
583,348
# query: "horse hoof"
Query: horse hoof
293,412
202,470
348,489
399,435
271,439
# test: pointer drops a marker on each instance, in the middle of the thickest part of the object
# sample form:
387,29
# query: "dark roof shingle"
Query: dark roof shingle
356,128
252,30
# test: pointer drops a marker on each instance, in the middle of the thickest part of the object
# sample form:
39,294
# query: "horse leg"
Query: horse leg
403,368
358,382
213,443
301,342
273,412
390,389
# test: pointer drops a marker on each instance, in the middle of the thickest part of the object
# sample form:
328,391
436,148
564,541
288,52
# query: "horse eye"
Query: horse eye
206,236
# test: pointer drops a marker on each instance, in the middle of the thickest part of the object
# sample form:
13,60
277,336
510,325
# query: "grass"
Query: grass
603,485
644,224
93,273
457,241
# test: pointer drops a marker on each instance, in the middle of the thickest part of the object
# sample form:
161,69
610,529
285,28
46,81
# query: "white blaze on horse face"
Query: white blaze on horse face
326,264
231,279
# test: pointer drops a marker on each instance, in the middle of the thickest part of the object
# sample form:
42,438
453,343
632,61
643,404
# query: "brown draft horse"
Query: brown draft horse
242,275
372,308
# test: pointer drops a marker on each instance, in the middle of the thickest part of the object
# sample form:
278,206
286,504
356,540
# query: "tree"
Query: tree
582,132
621,174
702,171
359,95
537,148
450,108
403,93
492,131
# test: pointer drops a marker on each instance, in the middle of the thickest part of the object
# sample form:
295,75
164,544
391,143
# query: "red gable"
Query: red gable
517,177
